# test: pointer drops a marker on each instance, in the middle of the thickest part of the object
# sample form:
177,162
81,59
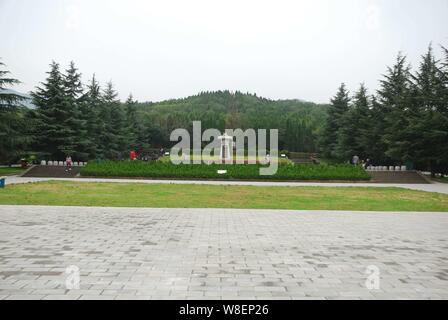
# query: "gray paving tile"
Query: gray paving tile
127,253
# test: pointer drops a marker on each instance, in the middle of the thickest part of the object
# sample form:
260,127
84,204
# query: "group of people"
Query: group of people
132,156
144,157
355,160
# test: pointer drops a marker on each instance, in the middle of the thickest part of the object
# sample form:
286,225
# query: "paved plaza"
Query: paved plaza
143,253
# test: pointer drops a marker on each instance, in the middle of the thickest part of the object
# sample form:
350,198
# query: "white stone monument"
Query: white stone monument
225,153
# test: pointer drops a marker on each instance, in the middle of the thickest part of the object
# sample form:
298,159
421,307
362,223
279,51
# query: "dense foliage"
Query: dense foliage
85,124
245,172
299,122
88,122
13,122
406,122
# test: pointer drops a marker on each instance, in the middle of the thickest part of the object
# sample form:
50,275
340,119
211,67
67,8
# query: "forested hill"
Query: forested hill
299,122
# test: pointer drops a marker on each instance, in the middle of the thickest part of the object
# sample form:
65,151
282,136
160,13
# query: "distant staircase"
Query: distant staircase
52,172
411,177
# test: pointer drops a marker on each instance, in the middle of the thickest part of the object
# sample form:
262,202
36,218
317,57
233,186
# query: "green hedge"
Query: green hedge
244,172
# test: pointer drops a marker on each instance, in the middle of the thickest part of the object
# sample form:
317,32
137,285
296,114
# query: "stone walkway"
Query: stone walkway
434,187
220,254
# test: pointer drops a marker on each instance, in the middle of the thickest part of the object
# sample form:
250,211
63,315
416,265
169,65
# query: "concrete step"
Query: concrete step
411,177
52,172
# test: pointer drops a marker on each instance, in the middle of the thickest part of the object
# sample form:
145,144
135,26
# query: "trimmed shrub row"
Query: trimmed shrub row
140,169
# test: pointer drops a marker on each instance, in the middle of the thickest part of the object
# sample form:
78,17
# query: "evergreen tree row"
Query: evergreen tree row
83,122
88,122
405,122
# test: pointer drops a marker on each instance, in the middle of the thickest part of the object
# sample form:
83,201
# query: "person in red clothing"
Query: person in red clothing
133,156
68,163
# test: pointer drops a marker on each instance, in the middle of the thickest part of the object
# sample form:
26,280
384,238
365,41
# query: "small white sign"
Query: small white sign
222,171
167,153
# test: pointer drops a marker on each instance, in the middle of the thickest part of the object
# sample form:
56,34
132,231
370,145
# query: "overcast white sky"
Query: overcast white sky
168,49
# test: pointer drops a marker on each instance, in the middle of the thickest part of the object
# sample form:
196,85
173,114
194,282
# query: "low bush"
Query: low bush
140,169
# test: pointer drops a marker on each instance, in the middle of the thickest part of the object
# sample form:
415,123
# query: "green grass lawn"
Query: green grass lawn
64,193
5,171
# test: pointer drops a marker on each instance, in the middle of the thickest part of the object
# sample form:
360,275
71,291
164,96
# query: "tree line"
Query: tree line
83,122
405,122
299,122
89,122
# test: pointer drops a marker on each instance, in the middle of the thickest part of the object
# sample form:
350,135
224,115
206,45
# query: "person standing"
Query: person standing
355,160
68,163
367,164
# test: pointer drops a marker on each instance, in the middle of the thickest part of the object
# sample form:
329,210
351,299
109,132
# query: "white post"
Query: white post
225,153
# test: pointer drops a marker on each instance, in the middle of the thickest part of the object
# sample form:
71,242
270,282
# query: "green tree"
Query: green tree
77,117
132,123
299,134
443,109
355,125
395,97
13,138
8,100
336,111
428,122
372,134
113,136
91,104
54,131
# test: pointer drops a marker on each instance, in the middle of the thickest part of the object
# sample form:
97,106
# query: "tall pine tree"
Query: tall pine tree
13,138
338,107
113,136
91,104
54,131
395,97
352,133
132,123
77,117
428,123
